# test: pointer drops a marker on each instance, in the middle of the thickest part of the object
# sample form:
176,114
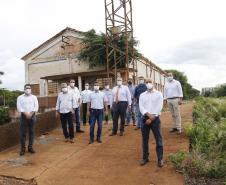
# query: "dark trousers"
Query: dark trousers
96,115
27,124
107,116
119,110
66,123
77,118
156,129
84,112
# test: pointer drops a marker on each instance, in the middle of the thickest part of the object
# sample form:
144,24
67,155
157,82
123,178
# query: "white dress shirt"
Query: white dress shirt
97,99
151,102
109,94
65,102
85,95
76,95
27,103
124,94
173,90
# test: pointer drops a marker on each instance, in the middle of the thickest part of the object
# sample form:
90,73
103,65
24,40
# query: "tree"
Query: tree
1,73
188,91
94,49
219,92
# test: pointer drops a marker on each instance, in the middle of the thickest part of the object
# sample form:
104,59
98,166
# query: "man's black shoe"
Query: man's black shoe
80,131
137,128
22,152
144,161
121,134
31,150
90,142
160,163
99,141
112,134
173,130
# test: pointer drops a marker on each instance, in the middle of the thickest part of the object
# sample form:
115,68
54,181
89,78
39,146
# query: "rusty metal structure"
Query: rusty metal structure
118,20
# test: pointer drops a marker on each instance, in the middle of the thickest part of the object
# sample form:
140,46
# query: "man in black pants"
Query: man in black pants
150,104
27,105
85,96
122,99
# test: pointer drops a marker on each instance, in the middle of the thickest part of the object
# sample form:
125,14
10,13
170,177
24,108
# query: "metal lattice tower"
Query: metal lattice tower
118,17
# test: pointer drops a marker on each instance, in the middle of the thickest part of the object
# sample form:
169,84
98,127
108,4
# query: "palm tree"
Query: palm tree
94,49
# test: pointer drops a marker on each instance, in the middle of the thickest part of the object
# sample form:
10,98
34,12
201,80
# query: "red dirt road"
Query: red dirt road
114,162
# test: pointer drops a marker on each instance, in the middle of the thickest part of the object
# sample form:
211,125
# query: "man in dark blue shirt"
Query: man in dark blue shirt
138,90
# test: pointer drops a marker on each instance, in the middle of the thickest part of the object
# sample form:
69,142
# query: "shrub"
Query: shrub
4,115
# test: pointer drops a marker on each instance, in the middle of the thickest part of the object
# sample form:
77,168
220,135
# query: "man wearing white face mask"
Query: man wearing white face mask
173,95
76,94
95,108
85,94
151,104
109,94
122,101
64,108
140,88
27,105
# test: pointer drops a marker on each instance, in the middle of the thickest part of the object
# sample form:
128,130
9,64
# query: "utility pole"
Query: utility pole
118,22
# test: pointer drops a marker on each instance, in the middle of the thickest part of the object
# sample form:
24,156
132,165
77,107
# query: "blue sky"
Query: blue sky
189,36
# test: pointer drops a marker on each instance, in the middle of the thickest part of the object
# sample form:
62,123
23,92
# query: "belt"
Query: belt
172,98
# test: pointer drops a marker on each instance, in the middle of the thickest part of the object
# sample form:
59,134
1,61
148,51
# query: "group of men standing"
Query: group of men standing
142,103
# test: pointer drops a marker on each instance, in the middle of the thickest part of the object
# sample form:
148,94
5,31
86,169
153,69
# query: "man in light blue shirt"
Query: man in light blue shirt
131,113
64,108
95,108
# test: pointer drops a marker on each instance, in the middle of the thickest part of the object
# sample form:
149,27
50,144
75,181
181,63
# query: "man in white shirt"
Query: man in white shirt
85,94
76,94
64,108
96,103
173,97
27,105
122,100
151,103
109,94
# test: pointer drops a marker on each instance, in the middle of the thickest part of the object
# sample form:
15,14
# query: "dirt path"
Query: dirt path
114,162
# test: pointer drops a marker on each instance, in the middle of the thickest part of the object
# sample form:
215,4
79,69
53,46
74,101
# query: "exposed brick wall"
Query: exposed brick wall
9,133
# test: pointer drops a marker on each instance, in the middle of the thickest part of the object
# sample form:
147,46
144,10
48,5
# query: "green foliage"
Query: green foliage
10,97
207,137
177,159
94,49
188,91
4,115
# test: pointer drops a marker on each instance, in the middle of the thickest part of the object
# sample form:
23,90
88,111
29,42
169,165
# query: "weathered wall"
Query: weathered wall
9,133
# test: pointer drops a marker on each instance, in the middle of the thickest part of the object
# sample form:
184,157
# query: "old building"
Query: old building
56,61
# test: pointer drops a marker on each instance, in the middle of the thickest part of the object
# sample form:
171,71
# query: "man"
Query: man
173,97
95,108
140,88
27,105
64,108
109,94
122,99
85,94
133,112
76,94
151,103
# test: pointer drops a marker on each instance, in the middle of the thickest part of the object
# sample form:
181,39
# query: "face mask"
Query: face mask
141,81
130,83
86,87
149,86
64,90
119,83
72,84
27,91
107,87
170,78
96,88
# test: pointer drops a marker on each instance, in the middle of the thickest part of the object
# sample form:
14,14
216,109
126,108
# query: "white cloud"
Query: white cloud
161,26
